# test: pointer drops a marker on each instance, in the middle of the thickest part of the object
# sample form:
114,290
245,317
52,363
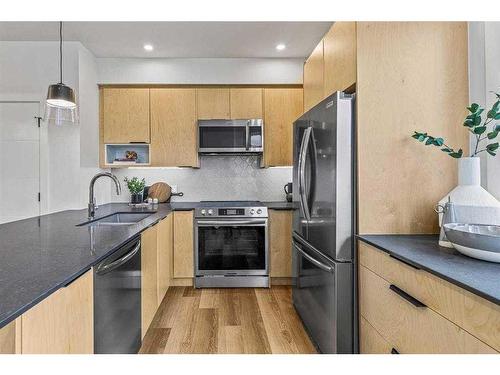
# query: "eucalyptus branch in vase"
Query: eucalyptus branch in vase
476,126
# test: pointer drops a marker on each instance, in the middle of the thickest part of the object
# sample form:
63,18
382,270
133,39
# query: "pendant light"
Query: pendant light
60,106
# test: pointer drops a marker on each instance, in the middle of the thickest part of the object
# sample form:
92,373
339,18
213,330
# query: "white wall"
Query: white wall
200,71
484,76
26,71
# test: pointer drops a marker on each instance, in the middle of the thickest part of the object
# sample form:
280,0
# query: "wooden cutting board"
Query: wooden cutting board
161,191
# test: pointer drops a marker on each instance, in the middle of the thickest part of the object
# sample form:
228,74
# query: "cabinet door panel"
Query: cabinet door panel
173,128
280,241
183,244
282,106
165,251
213,103
125,115
63,323
340,57
246,103
149,280
314,78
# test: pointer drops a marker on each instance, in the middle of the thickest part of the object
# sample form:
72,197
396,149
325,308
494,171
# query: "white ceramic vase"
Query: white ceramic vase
469,191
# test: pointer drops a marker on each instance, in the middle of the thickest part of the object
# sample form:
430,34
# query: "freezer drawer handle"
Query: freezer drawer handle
105,268
415,302
317,263
394,351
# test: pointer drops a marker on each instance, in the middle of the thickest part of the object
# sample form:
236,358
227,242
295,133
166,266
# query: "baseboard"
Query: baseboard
281,281
184,281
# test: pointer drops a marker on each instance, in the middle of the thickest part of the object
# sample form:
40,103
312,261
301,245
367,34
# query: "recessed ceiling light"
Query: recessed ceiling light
280,47
148,47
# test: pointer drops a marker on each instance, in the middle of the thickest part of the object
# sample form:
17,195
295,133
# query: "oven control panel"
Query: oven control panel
228,212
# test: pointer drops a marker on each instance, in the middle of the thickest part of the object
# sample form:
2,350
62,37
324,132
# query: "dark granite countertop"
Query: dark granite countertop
422,251
42,254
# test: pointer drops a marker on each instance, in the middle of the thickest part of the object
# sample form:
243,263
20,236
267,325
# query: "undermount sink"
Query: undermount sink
119,218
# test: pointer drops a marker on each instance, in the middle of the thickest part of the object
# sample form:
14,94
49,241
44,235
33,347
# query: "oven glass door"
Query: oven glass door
231,247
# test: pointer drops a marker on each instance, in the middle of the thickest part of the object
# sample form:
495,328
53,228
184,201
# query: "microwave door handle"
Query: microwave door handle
247,135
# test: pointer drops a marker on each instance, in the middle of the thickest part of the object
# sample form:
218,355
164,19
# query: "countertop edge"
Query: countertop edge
432,271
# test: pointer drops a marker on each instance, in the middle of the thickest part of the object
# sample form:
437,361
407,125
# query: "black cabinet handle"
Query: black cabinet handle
394,351
404,261
415,302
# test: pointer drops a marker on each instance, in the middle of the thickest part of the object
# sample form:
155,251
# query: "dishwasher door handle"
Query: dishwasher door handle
104,268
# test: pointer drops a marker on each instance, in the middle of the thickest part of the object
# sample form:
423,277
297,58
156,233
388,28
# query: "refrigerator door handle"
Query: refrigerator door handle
316,262
302,172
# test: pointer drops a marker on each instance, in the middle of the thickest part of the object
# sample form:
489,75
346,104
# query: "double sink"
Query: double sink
117,219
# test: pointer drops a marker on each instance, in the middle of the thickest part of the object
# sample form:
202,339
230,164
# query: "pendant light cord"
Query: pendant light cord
60,52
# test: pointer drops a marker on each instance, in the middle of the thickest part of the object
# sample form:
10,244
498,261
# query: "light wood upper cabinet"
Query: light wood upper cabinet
149,276
63,323
125,115
246,103
282,106
183,244
340,57
213,103
165,251
280,243
173,127
314,78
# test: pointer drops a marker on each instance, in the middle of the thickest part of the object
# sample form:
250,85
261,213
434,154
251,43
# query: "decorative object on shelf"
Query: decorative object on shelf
288,192
469,191
478,241
136,187
131,155
60,106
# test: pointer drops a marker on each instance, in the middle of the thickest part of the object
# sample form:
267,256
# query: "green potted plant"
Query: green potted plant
484,131
136,188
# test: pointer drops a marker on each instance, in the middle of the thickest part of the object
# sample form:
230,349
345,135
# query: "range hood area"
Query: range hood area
233,137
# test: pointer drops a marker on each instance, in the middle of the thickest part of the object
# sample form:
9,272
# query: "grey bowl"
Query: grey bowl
476,240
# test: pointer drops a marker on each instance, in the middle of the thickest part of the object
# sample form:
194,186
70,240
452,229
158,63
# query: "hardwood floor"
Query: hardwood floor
223,321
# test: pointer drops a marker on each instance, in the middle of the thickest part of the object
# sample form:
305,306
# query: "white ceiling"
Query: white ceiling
178,39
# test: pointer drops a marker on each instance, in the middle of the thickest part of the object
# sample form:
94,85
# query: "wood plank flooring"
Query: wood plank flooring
236,321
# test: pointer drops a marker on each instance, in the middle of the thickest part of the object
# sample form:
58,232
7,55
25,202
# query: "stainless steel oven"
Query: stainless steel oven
231,246
230,136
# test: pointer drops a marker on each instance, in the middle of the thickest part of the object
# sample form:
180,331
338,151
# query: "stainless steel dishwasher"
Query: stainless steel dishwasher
117,301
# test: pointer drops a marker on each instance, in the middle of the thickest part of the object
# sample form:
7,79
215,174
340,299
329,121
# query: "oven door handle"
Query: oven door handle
231,223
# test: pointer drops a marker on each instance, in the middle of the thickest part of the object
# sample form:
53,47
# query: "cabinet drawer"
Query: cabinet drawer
370,341
407,327
474,314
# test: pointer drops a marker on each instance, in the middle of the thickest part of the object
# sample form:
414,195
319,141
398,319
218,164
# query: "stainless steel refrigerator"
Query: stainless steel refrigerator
323,223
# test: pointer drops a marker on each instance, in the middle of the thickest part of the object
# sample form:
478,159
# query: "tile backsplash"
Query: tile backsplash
218,178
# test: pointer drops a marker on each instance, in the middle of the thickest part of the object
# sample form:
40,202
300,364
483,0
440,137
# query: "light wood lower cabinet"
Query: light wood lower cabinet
449,319
370,341
165,251
149,276
63,323
280,243
183,244
10,338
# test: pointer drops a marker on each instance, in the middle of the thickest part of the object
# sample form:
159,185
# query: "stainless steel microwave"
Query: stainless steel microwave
230,136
